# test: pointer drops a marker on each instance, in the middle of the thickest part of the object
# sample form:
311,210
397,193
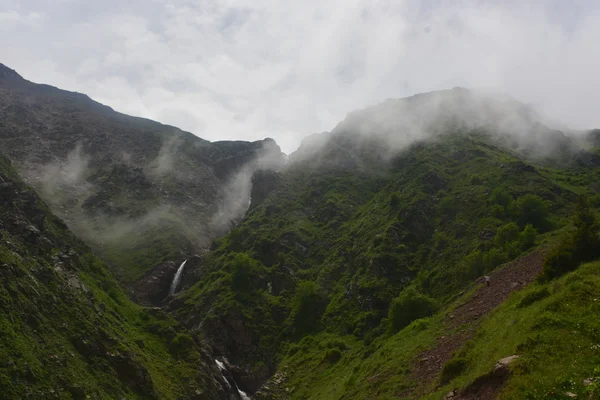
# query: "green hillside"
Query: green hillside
68,331
321,283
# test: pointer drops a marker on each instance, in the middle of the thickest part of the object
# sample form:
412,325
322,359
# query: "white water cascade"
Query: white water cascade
177,279
222,368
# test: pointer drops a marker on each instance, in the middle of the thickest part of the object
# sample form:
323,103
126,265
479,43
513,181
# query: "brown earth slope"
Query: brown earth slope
465,318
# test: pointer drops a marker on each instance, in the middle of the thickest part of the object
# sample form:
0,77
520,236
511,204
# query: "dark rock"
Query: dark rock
263,183
154,287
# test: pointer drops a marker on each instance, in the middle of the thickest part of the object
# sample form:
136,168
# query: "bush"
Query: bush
473,265
452,369
336,344
394,200
494,257
333,355
532,297
242,267
448,207
531,209
582,246
528,236
409,306
501,197
475,180
307,307
506,234
181,343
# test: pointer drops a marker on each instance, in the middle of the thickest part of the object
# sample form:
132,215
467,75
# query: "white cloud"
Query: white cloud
240,69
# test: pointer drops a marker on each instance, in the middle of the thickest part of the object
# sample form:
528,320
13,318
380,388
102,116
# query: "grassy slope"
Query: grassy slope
556,336
346,232
67,330
555,329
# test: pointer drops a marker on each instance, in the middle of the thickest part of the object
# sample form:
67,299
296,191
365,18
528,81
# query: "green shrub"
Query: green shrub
452,369
582,246
506,234
528,236
593,389
494,257
532,297
307,307
333,355
394,200
475,180
448,207
181,343
407,307
473,265
501,197
242,268
336,344
532,209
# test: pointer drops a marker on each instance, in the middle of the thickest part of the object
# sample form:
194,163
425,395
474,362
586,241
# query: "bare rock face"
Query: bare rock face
154,287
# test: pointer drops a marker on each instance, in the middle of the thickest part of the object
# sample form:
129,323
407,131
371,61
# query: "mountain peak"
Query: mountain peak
7,73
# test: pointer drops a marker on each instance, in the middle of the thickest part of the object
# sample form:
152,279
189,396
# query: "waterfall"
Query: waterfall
177,278
222,368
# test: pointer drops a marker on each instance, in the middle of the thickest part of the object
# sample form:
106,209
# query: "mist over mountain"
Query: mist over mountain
352,268
122,182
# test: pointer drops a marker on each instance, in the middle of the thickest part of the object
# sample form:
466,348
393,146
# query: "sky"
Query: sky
249,69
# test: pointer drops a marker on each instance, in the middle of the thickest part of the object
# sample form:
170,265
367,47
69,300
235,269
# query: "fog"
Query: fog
248,70
171,193
395,124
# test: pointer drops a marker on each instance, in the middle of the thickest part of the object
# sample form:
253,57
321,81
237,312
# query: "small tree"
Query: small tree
528,236
532,209
407,307
501,197
307,306
507,234
582,246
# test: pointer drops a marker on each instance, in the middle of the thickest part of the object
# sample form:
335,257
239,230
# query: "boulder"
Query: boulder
501,367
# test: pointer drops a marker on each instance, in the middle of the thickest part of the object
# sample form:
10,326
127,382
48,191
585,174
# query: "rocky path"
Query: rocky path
465,318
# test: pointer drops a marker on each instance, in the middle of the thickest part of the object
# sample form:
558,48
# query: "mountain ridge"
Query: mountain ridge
106,172
327,276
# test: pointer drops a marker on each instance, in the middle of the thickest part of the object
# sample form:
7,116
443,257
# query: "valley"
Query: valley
140,261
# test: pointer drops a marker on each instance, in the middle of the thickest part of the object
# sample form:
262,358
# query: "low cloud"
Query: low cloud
247,70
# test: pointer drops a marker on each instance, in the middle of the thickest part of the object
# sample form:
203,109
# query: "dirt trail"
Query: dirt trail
467,316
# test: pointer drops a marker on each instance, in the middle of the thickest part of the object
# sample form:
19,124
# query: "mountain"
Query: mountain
67,329
138,192
388,218
355,270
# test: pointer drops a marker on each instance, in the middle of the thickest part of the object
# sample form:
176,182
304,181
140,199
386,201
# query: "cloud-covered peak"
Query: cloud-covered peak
241,69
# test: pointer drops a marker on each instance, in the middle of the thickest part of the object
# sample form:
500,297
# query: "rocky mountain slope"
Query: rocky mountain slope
67,329
355,271
376,224
137,191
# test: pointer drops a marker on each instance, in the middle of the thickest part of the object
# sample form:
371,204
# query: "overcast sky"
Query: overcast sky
248,69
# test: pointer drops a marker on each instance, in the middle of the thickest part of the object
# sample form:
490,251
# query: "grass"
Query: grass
553,327
68,330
